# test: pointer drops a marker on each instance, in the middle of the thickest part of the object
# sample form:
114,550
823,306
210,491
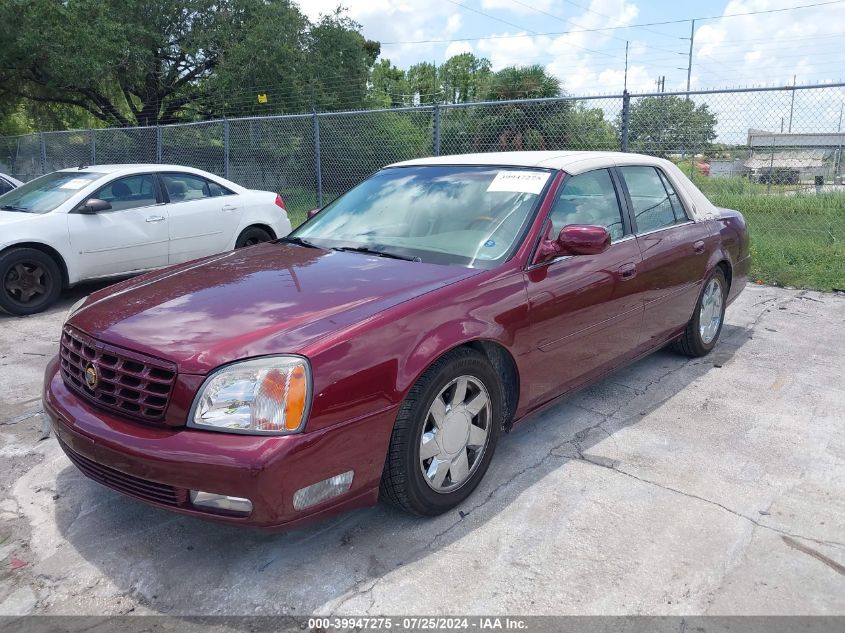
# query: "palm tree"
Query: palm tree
522,82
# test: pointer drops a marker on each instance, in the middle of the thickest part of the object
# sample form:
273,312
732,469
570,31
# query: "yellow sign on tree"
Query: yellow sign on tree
262,98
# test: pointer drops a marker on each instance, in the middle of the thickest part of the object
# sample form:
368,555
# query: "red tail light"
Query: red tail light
280,202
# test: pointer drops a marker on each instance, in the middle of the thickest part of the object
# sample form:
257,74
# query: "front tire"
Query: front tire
445,435
30,281
703,330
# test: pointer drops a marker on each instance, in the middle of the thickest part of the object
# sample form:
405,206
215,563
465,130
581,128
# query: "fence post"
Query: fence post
158,144
626,119
226,149
318,171
43,157
93,134
435,150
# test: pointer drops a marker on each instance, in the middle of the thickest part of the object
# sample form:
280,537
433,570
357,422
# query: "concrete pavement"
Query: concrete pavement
676,486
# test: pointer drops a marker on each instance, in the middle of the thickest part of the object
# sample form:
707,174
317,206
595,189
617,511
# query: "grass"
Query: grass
797,237
299,202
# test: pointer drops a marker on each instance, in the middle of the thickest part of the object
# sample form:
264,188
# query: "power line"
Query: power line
571,21
575,4
606,28
521,28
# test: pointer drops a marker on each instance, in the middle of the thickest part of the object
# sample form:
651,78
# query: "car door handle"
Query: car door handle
627,272
229,207
698,247
154,218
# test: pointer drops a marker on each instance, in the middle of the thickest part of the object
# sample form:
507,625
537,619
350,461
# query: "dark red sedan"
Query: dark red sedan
382,347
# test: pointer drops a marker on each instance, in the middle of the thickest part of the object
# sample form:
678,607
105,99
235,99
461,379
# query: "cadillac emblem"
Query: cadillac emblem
91,377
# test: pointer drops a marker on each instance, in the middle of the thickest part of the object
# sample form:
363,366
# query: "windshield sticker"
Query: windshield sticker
75,183
519,181
489,243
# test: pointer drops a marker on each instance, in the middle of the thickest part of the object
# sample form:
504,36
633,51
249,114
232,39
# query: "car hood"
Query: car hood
267,299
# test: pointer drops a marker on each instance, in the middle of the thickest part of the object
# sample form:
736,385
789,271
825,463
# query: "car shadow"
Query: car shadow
178,565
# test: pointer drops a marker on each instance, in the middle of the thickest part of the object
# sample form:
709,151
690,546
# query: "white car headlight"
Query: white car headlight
75,307
265,396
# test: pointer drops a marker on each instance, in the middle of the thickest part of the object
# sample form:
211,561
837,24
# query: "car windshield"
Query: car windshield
472,216
47,192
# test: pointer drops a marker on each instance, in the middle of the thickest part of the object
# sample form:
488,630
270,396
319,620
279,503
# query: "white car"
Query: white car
7,183
108,221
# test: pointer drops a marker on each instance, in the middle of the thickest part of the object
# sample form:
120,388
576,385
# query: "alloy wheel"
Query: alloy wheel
710,314
455,434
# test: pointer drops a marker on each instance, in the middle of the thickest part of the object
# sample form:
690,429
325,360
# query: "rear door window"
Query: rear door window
187,187
655,202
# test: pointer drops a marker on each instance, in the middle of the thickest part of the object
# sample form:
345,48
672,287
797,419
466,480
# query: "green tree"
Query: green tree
464,78
340,62
388,86
522,82
580,128
514,126
142,62
423,83
664,125
124,61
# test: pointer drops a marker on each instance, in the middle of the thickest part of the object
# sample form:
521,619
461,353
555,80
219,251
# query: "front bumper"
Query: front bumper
160,465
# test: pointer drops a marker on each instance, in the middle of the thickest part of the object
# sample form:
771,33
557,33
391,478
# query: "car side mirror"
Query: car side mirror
93,205
312,213
575,239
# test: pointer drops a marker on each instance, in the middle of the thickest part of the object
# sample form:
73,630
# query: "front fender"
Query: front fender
373,365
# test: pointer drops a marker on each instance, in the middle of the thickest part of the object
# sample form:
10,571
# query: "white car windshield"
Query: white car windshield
47,192
472,216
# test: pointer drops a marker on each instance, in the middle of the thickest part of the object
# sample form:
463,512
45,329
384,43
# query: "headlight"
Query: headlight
265,396
75,307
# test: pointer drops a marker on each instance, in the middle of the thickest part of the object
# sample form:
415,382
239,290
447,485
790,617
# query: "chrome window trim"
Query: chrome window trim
666,228
680,193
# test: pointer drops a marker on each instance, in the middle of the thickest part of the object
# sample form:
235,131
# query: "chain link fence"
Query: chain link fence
773,153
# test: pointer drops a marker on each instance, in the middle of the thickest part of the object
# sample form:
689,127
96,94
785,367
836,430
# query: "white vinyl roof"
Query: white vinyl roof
570,162
575,163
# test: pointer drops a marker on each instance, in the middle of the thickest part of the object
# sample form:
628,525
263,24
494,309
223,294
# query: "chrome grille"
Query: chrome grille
132,384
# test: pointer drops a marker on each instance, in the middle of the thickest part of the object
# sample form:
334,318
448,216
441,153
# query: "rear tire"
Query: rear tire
251,236
444,436
704,328
30,281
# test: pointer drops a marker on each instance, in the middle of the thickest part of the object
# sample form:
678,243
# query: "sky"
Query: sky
763,49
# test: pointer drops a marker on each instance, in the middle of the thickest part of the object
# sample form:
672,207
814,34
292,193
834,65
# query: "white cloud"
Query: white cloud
509,5
456,48
397,21
768,48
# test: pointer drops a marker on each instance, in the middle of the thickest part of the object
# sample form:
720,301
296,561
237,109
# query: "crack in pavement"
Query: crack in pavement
586,458
550,454
575,441
21,417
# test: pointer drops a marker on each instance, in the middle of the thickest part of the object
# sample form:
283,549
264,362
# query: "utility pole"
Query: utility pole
792,104
689,62
625,88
